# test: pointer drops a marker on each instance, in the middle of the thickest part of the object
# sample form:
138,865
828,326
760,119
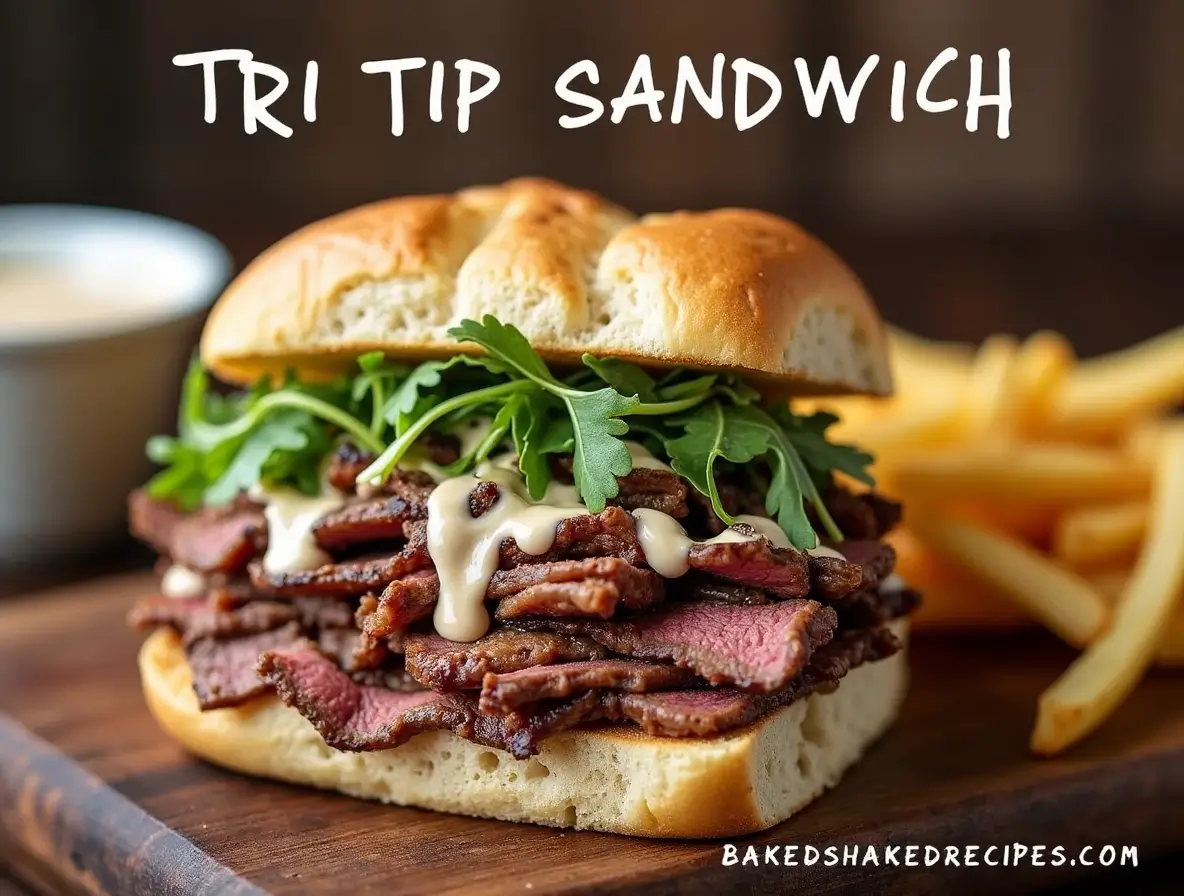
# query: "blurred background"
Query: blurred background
1073,222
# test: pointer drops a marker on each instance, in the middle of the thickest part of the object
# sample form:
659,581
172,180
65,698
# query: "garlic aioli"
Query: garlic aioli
667,547
643,459
823,551
290,517
465,549
181,582
892,583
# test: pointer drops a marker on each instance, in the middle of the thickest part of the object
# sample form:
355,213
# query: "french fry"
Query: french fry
1043,362
1034,523
1142,441
1108,582
953,598
1104,396
1101,678
1063,602
916,427
1111,583
909,349
1096,536
925,370
1171,644
986,398
1028,474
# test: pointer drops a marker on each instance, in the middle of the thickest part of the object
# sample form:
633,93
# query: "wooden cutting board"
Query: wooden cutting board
94,798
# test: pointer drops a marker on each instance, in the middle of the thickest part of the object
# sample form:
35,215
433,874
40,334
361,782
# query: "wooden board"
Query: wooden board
94,798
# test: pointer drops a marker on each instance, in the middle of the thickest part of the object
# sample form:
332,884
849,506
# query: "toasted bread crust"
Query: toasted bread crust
612,778
732,288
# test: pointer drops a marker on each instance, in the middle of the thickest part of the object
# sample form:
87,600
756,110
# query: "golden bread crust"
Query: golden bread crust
731,288
603,778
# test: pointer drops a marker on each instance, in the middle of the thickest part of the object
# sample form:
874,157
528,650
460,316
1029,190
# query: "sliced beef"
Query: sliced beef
651,487
758,648
351,650
512,691
213,539
866,564
347,465
832,577
697,586
195,618
442,448
736,496
370,520
319,614
483,496
656,489
848,650
450,665
224,668
701,713
876,558
403,602
391,679
591,587
591,597
507,582
867,515
350,578
349,462
355,717
863,608
610,533
783,572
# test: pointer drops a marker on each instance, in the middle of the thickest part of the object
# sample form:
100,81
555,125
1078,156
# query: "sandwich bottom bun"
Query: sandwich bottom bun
603,778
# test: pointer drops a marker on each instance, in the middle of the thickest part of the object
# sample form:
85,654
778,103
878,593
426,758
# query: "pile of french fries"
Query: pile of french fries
1040,487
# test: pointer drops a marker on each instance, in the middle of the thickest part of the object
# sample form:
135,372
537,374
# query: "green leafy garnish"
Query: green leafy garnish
706,425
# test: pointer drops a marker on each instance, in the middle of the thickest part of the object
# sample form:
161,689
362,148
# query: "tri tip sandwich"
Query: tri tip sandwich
511,515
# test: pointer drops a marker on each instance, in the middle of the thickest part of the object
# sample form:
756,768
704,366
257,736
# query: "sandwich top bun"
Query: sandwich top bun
731,288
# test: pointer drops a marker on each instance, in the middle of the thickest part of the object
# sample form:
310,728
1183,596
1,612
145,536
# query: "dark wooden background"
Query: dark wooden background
92,109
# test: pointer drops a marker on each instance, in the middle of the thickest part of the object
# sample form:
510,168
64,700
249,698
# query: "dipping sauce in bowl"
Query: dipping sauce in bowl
43,299
99,312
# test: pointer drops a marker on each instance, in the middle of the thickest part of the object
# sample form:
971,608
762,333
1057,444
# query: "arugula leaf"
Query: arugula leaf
707,438
559,436
821,456
599,456
506,343
281,434
529,431
401,408
687,388
284,431
790,484
740,434
626,378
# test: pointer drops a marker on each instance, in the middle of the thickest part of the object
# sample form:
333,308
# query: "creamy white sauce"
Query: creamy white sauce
465,548
290,517
667,546
893,582
642,458
471,432
181,582
824,551
38,297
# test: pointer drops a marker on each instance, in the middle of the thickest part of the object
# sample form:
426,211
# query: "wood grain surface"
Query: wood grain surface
93,798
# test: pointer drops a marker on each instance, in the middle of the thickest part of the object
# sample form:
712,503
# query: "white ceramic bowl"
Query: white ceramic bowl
76,405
